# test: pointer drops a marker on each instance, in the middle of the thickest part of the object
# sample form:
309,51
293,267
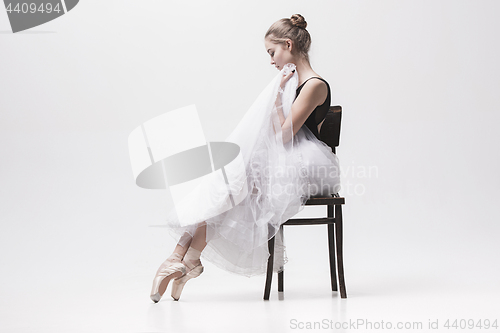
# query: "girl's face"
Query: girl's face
280,54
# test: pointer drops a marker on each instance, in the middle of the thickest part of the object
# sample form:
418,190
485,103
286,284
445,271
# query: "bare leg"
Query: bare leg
198,243
199,240
183,244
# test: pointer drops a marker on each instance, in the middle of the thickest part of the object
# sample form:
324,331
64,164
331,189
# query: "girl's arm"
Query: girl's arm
279,106
312,94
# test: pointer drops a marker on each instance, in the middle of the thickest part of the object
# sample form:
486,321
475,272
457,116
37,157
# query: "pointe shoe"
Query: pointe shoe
167,271
179,282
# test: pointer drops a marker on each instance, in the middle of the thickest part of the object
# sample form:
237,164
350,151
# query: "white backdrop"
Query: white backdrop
418,82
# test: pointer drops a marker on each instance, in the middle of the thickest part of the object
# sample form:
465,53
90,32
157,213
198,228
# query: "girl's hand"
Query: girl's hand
285,78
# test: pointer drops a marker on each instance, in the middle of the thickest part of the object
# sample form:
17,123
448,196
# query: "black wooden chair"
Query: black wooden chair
330,134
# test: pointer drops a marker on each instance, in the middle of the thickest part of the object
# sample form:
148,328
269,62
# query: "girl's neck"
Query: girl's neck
304,70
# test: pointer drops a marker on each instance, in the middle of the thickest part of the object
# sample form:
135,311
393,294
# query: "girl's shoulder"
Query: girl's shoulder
314,82
319,79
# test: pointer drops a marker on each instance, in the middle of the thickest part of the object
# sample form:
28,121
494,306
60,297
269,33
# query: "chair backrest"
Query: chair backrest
330,129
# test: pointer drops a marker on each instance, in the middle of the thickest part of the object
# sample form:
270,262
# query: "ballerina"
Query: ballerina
285,163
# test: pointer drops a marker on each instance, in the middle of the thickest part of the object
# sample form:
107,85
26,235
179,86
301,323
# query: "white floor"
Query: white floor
106,295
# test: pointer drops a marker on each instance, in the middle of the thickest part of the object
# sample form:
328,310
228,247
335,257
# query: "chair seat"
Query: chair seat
317,201
323,220
325,201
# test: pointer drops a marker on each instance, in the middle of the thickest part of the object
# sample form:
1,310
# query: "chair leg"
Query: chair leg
270,261
281,274
340,260
280,280
331,252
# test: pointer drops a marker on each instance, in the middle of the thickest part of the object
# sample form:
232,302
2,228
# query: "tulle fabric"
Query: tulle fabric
282,171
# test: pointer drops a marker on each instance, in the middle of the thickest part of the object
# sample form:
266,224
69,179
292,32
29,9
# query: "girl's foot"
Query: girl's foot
192,267
170,269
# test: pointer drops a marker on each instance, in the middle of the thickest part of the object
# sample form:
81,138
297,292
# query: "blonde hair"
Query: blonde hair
293,28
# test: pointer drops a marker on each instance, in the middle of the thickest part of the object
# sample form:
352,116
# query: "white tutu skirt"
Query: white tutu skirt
281,173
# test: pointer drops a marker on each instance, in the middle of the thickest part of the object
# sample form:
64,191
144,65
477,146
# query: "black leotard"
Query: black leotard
319,113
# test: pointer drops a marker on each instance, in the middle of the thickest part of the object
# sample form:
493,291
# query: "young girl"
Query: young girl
236,240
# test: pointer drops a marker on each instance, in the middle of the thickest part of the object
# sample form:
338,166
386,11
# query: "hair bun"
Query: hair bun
299,21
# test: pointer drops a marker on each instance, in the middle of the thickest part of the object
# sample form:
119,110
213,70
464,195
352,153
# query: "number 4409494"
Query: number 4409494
33,8
471,323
